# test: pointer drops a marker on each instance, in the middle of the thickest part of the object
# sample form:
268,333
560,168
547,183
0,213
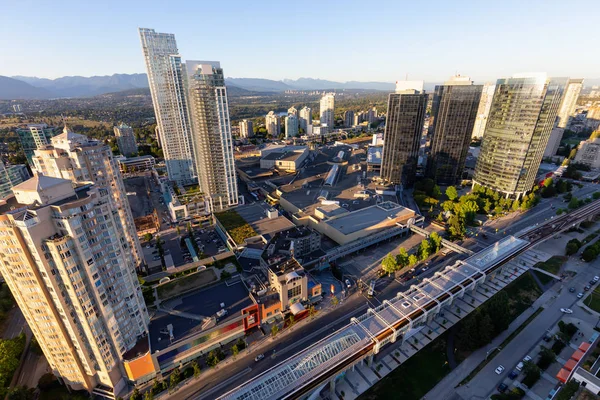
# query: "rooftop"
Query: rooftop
374,154
285,156
40,182
256,216
369,217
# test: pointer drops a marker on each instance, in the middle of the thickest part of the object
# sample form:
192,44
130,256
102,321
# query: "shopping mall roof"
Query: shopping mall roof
370,216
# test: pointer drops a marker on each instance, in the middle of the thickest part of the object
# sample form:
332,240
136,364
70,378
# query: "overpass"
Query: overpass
451,293
446,243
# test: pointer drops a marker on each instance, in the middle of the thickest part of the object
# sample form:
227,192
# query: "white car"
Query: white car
566,310
499,370
259,357
527,358
596,278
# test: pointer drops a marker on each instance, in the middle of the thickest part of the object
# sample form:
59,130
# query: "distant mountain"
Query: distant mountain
14,89
79,86
258,85
321,84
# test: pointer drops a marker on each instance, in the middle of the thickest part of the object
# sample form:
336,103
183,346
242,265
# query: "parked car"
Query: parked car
259,357
520,366
572,290
499,369
527,358
592,282
156,258
566,310
596,278
502,387
348,283
579,295
586,288
513,374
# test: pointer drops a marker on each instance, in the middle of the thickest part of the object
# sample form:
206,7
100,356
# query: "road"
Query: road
14,325
238,372
484,384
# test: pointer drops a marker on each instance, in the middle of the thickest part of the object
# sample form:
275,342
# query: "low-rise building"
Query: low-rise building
289,279
588,152
374,158
131,164
285,160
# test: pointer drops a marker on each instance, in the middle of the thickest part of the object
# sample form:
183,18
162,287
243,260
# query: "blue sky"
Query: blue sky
336,40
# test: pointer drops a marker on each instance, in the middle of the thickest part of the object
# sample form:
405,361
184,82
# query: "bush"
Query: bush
568,390
558,346
532,374
47,381
547,357
573,246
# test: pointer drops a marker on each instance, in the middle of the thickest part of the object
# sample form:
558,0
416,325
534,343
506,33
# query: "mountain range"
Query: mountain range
25,87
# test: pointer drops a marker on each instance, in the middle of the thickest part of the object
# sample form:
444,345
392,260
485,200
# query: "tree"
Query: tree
455,227
574,203
436,241
234,350
436,193
412,260
451,193
135,395
311,311
389,264
175,378
547,357
274,330
21,393
335,301
424,249
147,237
149,395
402,258
448,206
196,368
291,320
485,329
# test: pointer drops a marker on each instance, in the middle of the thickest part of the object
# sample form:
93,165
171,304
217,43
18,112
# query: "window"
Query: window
295,291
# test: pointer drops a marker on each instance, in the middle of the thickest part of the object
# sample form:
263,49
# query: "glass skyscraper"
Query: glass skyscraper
454,110
523,112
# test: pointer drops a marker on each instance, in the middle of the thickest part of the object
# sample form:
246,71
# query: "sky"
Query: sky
336,40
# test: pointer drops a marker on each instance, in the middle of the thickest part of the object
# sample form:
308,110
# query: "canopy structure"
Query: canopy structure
296,308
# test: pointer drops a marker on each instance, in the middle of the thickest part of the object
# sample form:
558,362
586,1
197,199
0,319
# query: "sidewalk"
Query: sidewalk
445,388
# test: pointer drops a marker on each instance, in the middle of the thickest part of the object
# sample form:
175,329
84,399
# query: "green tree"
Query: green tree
147,237
451,193
485,329
436,241
291,320
455,227
335,301
175,378
547,357
402,257
196,369
389,264
149,395
424,249
436,193
412,260
21,393
274,330
234,350
574,203
135,395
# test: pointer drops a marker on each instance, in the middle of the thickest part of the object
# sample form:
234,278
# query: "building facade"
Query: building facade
567,107
454,110
272,124
246,129
327,111
485,103
349,119
403,130
126,140
62,257
76,158
11,175
35,136
167,87
554,142
305,120
212,140
291,126
588,152
521,118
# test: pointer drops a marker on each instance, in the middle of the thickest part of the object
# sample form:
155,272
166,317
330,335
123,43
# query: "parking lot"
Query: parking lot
208,242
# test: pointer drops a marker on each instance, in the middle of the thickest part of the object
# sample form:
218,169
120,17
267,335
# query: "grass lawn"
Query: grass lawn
552,265
414,378
235,225
522,293
593,300
185,283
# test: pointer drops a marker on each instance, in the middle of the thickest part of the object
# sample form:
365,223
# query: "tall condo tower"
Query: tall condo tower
167,87
454,110
403,130
567,107
63,257
522,115
212,140
327,109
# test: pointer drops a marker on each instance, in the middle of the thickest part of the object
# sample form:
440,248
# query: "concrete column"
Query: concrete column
332,387
370,360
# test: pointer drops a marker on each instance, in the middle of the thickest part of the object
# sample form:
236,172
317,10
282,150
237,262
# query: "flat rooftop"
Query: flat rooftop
367,217
283,156
256,216
374,155
203,303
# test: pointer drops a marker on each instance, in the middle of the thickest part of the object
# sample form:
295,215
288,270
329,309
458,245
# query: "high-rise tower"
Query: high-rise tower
521,118
212,140
62,256
167,87
327,110
567,107
403,130
272,123
454,110
305,120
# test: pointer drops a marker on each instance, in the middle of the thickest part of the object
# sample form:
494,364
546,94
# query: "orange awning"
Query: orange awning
577,355
563,375
570,364
584,346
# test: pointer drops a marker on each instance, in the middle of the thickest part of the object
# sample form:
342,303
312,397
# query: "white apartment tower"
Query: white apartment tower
246,129
167,87
327,108
485,104
272,124
305,119
291,126
569,101
81,160
212,140
62,258
125,140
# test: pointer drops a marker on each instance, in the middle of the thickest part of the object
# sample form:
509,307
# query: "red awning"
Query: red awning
584,346
563,375
577,355
570,364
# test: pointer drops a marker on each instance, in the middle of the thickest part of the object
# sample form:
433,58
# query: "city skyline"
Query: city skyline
486,57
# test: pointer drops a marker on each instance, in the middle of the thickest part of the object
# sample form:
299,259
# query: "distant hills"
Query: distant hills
25,87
